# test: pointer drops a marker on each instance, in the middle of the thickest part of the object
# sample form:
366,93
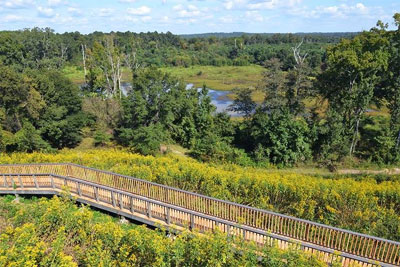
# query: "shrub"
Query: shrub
58,233
28,139
358,204
101,138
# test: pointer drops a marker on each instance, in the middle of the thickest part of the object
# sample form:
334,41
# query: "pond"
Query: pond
220,100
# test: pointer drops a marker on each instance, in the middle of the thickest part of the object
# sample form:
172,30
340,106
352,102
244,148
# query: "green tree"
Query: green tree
243,103
279,137
351,76
157,98
28,139
273,84
389,88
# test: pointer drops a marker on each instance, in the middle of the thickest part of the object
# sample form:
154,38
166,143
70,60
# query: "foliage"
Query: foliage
160,107
101,138
145,140
351,76
57,233
42,106
28,139
213,148
243,103
279,138
363,205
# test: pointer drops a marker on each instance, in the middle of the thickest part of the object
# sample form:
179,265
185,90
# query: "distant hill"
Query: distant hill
239,34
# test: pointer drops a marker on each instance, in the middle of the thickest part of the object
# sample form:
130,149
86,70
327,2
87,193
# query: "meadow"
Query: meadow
56,232
361,203
224,78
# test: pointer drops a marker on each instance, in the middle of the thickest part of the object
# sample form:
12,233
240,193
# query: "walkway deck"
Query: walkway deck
171,208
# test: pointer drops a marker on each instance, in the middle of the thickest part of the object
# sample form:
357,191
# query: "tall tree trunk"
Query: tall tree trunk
84,59
355,135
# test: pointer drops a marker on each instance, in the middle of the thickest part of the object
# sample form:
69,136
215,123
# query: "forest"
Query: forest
321,98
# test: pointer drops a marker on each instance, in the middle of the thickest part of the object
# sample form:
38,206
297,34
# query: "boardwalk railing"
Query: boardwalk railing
287,227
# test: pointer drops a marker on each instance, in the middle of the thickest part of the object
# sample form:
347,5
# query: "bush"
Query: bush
57,233
279,138
213,148
144,140
358,204
101,138
2,143
28,139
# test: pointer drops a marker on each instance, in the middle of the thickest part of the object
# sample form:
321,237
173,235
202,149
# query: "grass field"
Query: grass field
224,78
77,76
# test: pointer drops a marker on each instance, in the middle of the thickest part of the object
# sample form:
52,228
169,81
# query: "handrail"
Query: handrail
56,182
319,234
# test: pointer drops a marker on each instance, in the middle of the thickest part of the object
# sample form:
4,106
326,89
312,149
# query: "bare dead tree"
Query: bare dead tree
83,47
64,49
300,59
131,61
114,74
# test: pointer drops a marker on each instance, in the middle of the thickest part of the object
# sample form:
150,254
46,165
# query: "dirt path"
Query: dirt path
384,171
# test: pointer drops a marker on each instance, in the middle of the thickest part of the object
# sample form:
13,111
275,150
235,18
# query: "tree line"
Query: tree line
323,112
37,47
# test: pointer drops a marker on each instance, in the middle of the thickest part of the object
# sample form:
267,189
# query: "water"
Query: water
220,100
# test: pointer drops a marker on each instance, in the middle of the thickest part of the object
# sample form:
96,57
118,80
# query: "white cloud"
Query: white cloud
337,11
190,11
11,18
231,4
105,12
226,19
45,12
259,4
55,3
254,16
74,11
146,18
140,11
17,4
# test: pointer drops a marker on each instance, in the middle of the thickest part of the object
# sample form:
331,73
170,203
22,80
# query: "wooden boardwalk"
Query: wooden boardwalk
172,208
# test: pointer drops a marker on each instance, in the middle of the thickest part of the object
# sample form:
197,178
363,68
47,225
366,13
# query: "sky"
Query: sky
197,16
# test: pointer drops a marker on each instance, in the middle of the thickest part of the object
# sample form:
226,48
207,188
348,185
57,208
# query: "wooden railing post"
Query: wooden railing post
112,199
168,216
96,193
78,185
148,209
20,181
52,182
121,204
35,181
131,205
5,181
191,222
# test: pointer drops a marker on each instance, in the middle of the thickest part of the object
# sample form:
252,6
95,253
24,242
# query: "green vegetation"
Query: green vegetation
367,204
300,103
224,78
56,232
304,101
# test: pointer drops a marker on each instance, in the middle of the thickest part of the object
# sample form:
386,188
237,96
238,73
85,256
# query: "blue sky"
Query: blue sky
196,16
